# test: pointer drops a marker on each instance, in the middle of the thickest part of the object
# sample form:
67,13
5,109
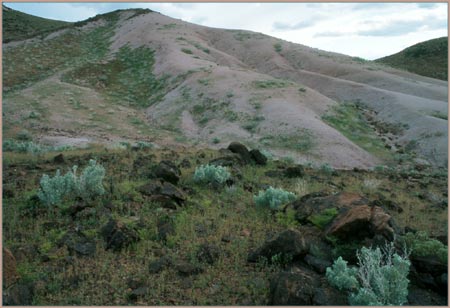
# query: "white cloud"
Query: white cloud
359,29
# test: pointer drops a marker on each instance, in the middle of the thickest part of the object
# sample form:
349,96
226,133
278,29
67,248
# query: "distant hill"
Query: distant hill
19,26
428,58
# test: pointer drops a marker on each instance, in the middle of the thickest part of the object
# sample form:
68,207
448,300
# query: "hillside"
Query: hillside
150,161
211,86
429,58
19,26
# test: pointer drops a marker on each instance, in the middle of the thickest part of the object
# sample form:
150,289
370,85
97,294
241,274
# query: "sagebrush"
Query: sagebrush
210,174
380,280
273,198
54,190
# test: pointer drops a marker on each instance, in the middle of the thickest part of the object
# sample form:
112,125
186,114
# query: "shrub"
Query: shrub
188,51
216,140
380,280
87,186
327,169
210,174
24,135
277,47
421,245
273,198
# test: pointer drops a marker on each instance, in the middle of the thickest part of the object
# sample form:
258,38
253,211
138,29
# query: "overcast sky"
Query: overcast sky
367,30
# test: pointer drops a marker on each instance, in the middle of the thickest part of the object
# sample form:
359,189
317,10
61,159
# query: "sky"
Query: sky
366,30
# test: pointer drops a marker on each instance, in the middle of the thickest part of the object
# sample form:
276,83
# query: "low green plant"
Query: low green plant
216,140
188,51
322,219
210,174
287,219
273,198
327,169
54,190
277,47
24,135
380,280
422,245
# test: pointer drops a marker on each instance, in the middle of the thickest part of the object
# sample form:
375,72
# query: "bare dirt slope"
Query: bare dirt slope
272,94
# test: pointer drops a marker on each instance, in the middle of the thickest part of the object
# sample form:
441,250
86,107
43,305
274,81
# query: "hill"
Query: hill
19,26
429,58
138,75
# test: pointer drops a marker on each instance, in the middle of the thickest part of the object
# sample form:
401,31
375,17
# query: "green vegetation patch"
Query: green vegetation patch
271,84
128,77
20,26
429,58
325,217
32,62
422,245
347,119
302,140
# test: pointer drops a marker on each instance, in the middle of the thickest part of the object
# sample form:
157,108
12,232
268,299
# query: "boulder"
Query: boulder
168,171
258,157
294,172
59,159
360,222
165,228
242,150
117,235
302,287
230,160
293,287
164,192
289,243
78,243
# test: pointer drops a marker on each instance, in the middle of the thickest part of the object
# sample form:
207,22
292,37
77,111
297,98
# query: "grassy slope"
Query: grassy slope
208,217
19,26
428,58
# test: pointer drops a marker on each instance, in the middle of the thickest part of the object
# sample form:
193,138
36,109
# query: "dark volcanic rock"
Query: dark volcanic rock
163,192
187,269
78,243
242,150
118,235
362,221
258,157
159,265
294,172
208,253
288,243
165,228
168,171
59,159
230,160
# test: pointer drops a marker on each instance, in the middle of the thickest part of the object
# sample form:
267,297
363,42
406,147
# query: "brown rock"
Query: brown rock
10,275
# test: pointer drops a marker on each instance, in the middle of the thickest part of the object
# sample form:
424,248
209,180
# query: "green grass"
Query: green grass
347,119
208,216
271,84
26,64
19,26
429,58
302,140
439,115
128,77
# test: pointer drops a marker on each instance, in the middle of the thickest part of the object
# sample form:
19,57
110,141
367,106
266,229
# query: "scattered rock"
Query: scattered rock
294,172
168,171
163,191
258,157
187,269
208,253
293,287
136,293
20,294
423,297
230,160
59,159
185,163
10,275
165,228
242,150
78,243
159,265
288,243
117,235
386,204
317,264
